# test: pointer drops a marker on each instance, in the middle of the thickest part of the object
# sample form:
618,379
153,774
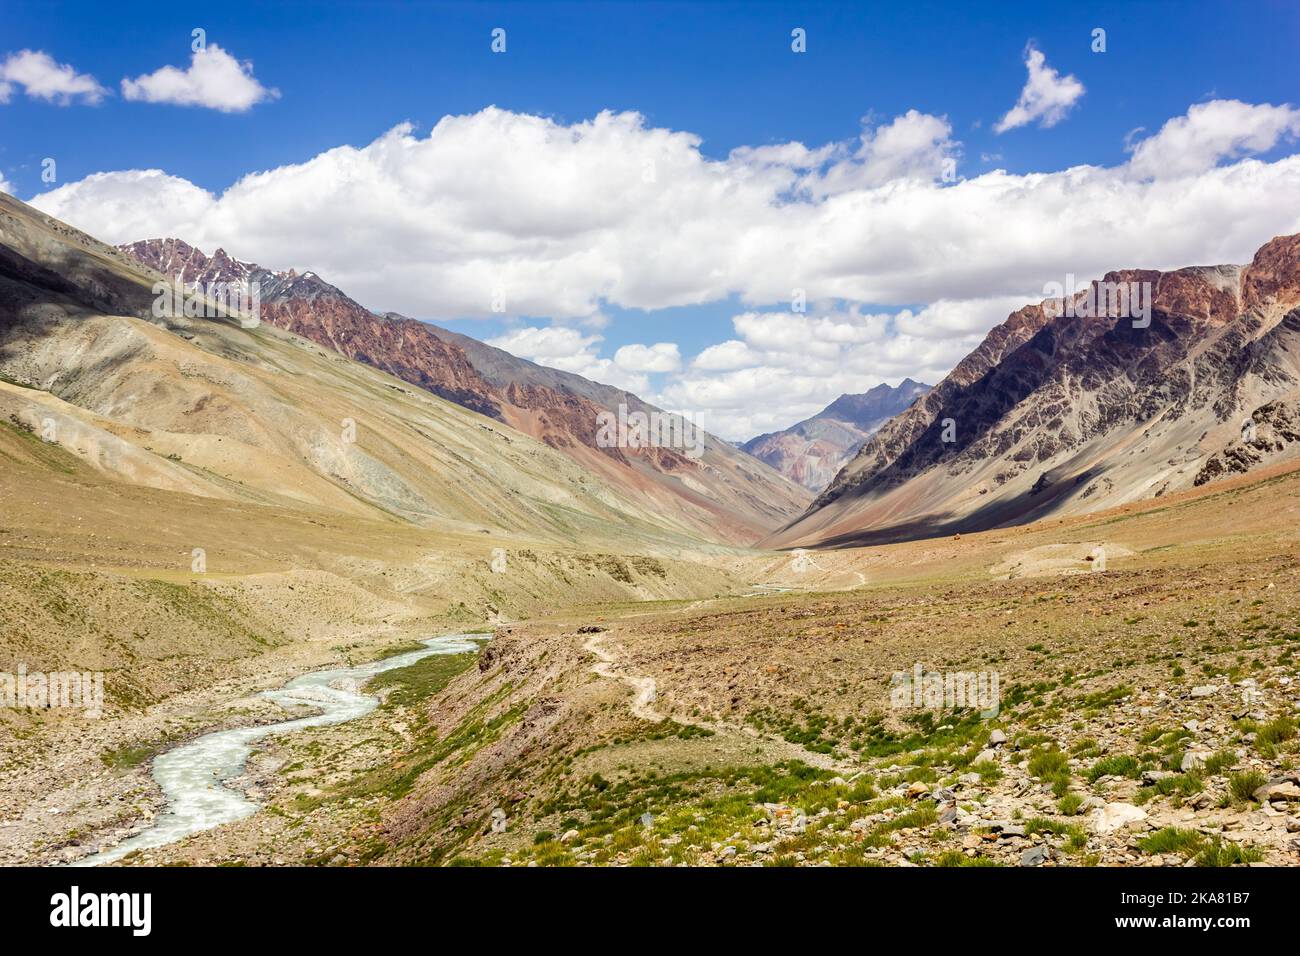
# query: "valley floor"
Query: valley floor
1147,716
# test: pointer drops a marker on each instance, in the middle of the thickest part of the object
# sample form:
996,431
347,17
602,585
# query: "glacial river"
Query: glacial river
192,775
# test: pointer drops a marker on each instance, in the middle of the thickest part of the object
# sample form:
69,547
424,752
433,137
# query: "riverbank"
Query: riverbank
74,784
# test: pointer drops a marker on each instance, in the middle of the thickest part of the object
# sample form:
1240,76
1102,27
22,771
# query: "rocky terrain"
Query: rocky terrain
1058,413
722,495
1147,716
200,510
813,451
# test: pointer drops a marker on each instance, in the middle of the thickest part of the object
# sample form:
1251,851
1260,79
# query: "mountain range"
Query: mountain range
721,493
1064,409
813,451
1061,409
264,418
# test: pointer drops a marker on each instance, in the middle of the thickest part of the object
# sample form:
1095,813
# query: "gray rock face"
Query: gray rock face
1034,856
1279,789
1042,417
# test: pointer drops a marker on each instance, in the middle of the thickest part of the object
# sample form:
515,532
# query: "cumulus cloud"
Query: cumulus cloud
1046,98
660,357
903,270
725,356
215,80
913,146
6,186
42,78
783,366
559,220
570,350
1210,132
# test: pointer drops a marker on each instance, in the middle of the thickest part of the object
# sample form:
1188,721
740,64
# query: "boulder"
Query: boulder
1283,788
1116,816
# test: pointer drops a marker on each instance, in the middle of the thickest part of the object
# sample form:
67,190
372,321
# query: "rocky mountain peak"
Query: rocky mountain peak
1063,413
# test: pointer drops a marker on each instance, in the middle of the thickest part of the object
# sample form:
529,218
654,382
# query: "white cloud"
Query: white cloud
913,146
783,366
660,357
132,201
569,350
44,79
6,186
215,79
1046,98
1210,132
557,346
947,318
561,220
725,356
906,272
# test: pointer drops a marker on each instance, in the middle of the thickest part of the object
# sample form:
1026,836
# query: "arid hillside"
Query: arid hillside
1070,407
703,484
1145,715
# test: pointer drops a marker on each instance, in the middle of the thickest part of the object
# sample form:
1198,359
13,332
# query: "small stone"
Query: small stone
569,836
997,738
1205,690
1034,856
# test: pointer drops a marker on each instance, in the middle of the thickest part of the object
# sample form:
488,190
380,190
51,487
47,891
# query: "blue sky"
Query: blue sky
346,74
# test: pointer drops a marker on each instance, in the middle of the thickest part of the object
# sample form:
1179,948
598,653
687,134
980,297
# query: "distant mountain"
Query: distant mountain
1066,408
722,494
813,451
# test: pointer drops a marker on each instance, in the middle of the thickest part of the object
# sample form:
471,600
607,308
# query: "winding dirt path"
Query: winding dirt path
646,692
643,686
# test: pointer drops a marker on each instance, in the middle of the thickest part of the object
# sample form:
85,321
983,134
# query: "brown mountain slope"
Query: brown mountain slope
260,416
723,495
1061,414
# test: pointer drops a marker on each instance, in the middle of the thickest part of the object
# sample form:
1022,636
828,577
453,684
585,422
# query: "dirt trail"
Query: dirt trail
646,691
644,686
